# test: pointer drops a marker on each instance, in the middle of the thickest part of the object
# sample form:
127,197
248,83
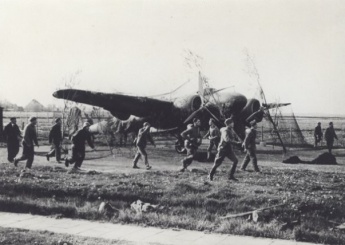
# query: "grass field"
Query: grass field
313,194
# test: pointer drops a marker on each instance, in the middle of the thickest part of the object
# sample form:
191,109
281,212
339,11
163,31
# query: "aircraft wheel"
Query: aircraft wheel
179,148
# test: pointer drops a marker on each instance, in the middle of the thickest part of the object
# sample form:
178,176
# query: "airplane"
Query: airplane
173,115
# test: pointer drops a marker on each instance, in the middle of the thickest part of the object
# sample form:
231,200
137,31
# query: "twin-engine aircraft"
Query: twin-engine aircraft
173,115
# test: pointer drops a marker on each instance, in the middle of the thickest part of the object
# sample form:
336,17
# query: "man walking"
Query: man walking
250,146
55,138
214,135
30,138
192,141
78,147
330,136
141,142
12,136
317,134
227,138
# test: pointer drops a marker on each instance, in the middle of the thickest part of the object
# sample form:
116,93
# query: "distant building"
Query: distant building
34,106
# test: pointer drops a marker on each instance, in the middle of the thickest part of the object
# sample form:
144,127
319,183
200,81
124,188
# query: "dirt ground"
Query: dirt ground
164,158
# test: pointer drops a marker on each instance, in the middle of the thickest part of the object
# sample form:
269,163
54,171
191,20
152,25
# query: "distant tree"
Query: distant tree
52,107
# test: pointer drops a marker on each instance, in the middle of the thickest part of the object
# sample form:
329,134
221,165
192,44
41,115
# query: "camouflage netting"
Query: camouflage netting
288,128
72,121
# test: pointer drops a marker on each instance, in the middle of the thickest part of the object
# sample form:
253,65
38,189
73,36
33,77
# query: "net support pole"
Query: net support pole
290,135
262,133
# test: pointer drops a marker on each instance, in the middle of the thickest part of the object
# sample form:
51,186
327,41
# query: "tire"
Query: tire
179,148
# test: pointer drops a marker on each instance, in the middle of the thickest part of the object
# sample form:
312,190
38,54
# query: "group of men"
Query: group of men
330,135
13,137
223,139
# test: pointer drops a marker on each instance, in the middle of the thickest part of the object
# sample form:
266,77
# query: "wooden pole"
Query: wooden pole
290,135
262,133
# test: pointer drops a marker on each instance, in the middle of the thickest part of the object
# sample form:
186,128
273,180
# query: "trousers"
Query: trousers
78,156
251,155
140,152
28,155
229,153
12,150
55,151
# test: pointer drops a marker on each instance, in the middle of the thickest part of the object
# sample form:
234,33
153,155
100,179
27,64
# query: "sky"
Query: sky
151,47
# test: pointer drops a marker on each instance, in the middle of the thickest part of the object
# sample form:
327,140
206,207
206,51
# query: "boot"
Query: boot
184,166
208,156
245,164
231,177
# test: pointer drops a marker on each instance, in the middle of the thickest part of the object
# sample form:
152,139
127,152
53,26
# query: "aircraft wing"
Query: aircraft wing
120,105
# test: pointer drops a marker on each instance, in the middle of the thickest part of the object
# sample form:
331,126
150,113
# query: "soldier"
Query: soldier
330,136
12,136
192,141
55,138
78,147
214,135
141,142
317,134
227,138
30,138
250,146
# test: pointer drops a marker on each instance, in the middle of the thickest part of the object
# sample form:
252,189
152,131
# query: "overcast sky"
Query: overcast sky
142,47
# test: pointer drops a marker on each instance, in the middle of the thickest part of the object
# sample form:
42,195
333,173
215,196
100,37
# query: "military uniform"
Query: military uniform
55,138
250,146
78,147
12,137
192,141
214,136
329,137
225,150
30,138
317,135
141,142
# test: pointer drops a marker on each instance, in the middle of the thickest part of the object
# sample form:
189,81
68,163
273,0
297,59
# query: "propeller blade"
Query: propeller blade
218,90
213,115
274,105
201,87
257,115
191,116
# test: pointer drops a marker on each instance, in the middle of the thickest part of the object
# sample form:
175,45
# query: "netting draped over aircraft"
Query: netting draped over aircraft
72,121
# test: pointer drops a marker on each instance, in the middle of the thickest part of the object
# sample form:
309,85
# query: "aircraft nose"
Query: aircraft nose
55,94
59,94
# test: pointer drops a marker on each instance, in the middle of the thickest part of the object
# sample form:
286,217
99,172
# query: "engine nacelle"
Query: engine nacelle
252,106
188,104
120,115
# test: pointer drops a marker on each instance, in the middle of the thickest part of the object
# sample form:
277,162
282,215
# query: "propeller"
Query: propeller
204,102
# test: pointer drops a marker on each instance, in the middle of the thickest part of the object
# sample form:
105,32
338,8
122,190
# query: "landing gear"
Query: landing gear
179,146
